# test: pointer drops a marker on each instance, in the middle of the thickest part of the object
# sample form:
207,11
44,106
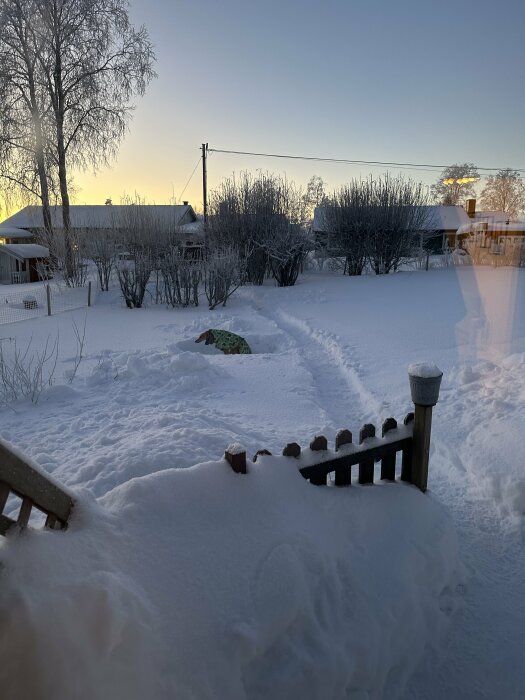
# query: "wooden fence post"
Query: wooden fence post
388,464
425,380
421,449
89,293
48,296
343,476
236,460
319,444
366,468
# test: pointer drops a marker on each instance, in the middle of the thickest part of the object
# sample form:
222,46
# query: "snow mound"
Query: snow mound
491,397
196,564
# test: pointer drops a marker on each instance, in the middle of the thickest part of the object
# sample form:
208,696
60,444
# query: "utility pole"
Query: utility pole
205,182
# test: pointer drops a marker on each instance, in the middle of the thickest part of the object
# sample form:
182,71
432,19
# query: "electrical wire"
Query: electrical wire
189,179
348,161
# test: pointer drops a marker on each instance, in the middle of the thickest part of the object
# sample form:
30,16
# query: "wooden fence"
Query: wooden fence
35,491
411,439
321,463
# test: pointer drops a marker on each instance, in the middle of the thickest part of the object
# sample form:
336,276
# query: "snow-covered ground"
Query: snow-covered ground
199,583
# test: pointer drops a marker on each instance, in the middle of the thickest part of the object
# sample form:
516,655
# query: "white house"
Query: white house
180,218
22,262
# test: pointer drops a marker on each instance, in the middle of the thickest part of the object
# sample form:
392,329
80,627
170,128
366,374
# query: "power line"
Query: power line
189,179
348,161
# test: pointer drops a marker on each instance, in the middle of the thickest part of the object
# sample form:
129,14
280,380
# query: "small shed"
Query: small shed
22,262
11,234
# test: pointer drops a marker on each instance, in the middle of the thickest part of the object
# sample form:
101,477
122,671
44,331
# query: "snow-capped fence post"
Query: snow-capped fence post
89,294
343,477
366,467
318,444
235,455
425,380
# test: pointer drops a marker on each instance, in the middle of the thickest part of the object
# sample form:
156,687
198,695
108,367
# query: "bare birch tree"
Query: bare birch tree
504,191
456,184
25,166
92,63
69,70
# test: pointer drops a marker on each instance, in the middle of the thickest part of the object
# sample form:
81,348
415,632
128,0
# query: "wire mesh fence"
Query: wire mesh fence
43,300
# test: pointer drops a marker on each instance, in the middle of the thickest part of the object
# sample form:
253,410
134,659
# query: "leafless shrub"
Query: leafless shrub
345,220
137,261
80,339
70,256
182,277
287,250
249,213
102,249
376,221
224,271
24,373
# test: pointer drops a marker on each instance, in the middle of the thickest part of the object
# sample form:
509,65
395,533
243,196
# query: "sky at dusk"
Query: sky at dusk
423,82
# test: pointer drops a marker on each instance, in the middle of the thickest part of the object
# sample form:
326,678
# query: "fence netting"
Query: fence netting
32,302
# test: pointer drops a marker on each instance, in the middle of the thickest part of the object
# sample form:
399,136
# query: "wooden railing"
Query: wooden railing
412,439
34,489
370,449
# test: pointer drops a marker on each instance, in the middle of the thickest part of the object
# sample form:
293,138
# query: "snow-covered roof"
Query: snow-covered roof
496,227
491,216
25,250
12,232
439,218
98,216
195,229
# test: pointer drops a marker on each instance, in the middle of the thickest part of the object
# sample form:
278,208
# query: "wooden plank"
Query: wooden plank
406,464
6,524
28,482
25,512
343,476
406,461
366,466
4,495
319,444
372,453
421,449
51,521
388,463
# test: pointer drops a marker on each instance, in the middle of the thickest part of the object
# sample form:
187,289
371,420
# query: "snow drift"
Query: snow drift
200,583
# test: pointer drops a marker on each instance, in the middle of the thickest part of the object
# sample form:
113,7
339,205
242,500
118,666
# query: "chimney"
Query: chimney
470,207
186,203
